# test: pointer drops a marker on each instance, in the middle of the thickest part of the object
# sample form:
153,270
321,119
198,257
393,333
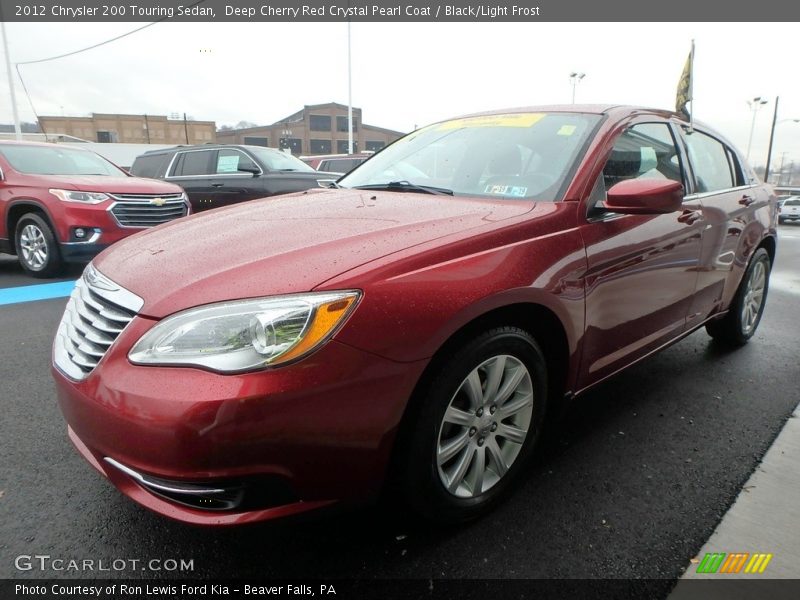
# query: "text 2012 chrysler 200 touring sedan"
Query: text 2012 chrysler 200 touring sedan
414,325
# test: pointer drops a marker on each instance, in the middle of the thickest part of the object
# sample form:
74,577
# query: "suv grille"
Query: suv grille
148,210
97,312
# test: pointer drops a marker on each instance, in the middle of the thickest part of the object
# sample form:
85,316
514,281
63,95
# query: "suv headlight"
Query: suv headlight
245,335
80,197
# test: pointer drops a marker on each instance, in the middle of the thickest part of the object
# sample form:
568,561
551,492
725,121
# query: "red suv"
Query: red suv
62,204
415,325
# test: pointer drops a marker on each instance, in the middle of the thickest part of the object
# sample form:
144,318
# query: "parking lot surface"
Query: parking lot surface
630,482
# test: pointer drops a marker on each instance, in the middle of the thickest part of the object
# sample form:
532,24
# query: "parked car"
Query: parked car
62,204
409,333
220,175
336,163
789,209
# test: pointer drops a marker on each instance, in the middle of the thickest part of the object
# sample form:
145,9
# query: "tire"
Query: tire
738,326
465,447
781,220
37,247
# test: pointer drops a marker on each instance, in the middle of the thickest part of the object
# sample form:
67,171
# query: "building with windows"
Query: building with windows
131,129
317,129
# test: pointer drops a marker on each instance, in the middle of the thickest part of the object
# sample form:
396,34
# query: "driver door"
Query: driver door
642,269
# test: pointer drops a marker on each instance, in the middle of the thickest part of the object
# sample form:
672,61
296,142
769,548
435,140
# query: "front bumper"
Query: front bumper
320,430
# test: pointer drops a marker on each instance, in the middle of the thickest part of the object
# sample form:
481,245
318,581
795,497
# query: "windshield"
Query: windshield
512,156
58,160
275,160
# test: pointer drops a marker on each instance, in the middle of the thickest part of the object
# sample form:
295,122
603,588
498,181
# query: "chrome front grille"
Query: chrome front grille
97,312
148,210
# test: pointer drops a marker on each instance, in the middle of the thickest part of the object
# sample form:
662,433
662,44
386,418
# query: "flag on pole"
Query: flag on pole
685,86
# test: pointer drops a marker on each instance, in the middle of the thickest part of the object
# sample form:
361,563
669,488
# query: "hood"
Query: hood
284,245
113,185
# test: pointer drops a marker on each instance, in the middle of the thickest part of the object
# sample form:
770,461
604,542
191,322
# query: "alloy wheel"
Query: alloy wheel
753,297
485,426
33,246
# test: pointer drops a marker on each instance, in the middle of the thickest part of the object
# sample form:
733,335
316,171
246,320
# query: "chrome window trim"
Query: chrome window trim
701,195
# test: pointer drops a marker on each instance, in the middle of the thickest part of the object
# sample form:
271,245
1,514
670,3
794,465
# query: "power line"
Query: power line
74,52
92,47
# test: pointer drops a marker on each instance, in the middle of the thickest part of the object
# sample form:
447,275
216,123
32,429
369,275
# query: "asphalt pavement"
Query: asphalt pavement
629,483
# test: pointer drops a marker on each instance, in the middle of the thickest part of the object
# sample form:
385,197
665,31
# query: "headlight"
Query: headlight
245,335
80,197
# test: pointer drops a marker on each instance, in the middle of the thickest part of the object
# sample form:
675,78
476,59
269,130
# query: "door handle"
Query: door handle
746,200
217,184
690,216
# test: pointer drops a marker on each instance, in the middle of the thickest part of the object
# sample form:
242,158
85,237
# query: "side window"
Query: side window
643,151
230,161
712,162
193,163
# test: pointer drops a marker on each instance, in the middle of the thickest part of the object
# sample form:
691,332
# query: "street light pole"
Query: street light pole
754,105
349,94
575,78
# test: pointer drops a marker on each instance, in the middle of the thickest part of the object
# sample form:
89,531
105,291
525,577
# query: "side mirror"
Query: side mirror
249,169
645,197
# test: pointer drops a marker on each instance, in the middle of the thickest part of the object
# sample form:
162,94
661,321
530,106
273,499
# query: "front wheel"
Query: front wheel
477,426
37,247
744,315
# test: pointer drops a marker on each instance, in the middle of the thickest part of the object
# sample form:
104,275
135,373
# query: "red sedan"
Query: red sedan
415,324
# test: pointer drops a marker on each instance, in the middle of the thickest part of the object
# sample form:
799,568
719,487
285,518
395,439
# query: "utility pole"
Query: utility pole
780,173
186,128
17,128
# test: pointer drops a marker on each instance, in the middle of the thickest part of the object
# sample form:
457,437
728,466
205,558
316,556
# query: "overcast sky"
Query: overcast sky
410,74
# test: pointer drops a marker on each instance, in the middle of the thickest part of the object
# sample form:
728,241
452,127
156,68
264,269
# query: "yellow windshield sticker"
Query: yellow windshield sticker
566,130
520,120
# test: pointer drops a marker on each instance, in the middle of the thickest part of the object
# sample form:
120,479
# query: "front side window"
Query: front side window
509,156
58,160
230,161
711,161
643,151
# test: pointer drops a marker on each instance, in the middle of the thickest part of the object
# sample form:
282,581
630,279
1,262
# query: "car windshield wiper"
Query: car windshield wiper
405,186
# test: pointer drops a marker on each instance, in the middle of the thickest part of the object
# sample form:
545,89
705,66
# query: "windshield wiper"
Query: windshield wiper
405,186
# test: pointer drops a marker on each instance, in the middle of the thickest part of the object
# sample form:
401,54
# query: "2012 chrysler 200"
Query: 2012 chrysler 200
413,326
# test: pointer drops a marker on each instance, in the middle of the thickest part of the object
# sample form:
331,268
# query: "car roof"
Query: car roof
41,145
593,109
205,147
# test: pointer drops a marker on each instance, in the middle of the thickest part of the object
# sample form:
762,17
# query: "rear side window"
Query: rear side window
148,166
713,163
193,163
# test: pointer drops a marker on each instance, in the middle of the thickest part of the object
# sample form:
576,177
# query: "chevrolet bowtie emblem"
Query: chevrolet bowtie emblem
158,201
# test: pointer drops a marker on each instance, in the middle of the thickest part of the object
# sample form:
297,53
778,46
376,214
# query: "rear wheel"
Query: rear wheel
37,248
477,426
744,315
